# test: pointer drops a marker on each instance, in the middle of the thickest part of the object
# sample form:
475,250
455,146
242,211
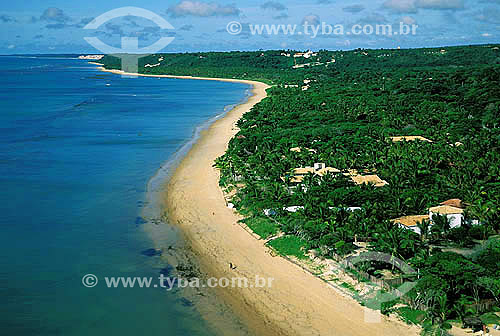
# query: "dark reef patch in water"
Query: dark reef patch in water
152,252
166,271
185,302
140,221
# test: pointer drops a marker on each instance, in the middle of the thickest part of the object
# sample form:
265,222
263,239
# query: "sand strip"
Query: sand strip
120,72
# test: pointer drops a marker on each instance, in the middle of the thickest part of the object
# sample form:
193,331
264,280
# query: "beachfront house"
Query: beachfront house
409,138
369,179
307,54
299,150
454,215
455,202
273,212
293,209
453,209
321,169
410,222
91,57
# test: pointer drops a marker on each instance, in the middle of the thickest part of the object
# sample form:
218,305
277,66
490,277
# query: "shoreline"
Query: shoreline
230,80
298,302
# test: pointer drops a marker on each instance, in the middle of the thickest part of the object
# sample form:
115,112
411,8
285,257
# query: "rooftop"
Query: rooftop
410,221
455,202
300,173
298,150
303,171
369,179
446,210
409,138
324,171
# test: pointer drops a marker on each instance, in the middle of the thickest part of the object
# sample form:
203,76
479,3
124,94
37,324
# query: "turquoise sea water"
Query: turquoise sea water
77,149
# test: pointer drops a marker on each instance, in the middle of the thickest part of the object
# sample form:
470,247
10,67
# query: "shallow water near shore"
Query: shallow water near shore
78,149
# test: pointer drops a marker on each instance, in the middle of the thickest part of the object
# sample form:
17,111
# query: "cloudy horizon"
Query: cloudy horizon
32,27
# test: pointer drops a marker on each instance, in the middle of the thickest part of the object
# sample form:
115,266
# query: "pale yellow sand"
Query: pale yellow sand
120,72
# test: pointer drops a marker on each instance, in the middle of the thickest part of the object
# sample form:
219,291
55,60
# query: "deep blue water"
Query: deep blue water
76,156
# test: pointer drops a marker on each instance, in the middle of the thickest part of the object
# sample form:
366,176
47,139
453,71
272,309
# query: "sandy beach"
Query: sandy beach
297,303
123,73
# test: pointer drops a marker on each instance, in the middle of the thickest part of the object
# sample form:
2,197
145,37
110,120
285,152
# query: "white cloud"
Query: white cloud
373,19
202,9
486,35
440,4
11,46
412,6
408,20
55,15
353,8
311,19
273,5
401,6
281,16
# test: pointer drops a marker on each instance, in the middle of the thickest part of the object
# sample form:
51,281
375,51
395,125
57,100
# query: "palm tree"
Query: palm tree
487,213
440,225
424,226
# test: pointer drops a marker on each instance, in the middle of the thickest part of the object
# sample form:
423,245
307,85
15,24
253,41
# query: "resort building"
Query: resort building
299,150
369,179
409,138
454,215
320,169
272,212
410,222
307,54
455,202
91,57
453,209
293,208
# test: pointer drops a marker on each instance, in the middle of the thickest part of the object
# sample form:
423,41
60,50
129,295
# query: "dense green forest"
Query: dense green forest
341,108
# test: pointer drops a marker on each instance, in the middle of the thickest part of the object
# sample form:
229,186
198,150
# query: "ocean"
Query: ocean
78,151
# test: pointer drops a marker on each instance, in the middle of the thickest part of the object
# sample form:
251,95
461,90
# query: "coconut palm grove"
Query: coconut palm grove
395,151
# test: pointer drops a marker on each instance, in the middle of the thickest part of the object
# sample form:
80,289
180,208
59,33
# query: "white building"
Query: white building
272,212
453,209
454,215
307,54
410,222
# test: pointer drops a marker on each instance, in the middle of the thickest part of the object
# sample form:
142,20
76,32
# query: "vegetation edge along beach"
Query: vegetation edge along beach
369,184
186,208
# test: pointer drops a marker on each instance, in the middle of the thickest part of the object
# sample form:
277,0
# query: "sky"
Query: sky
58,26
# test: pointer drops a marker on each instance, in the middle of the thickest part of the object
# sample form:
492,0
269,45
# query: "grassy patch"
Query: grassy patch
348,286
289,245
263,227
411,316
